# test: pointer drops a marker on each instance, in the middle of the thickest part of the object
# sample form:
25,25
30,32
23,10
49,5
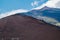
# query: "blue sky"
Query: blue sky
8,5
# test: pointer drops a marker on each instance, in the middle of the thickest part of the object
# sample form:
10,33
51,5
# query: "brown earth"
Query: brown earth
17,27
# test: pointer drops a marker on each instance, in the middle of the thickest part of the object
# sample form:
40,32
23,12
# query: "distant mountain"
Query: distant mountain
46,11
49,15
51,12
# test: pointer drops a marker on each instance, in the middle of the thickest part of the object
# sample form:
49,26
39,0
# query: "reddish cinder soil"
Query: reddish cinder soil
17,27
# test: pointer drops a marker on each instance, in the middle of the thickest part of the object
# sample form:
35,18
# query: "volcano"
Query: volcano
32,25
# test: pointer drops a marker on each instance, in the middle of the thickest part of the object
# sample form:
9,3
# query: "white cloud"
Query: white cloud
2,15
50,3
35,3
49,20
58,4
57,24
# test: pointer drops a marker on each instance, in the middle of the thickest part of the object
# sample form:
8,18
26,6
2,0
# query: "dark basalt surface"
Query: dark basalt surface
18,27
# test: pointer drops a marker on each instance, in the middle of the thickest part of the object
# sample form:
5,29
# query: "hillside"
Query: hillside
21,27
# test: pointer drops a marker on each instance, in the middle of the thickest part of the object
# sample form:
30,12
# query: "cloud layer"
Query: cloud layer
49,20
58,4
35,3
2,15
50,3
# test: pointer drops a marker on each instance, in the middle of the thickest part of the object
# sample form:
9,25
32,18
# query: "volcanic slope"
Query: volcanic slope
20,27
